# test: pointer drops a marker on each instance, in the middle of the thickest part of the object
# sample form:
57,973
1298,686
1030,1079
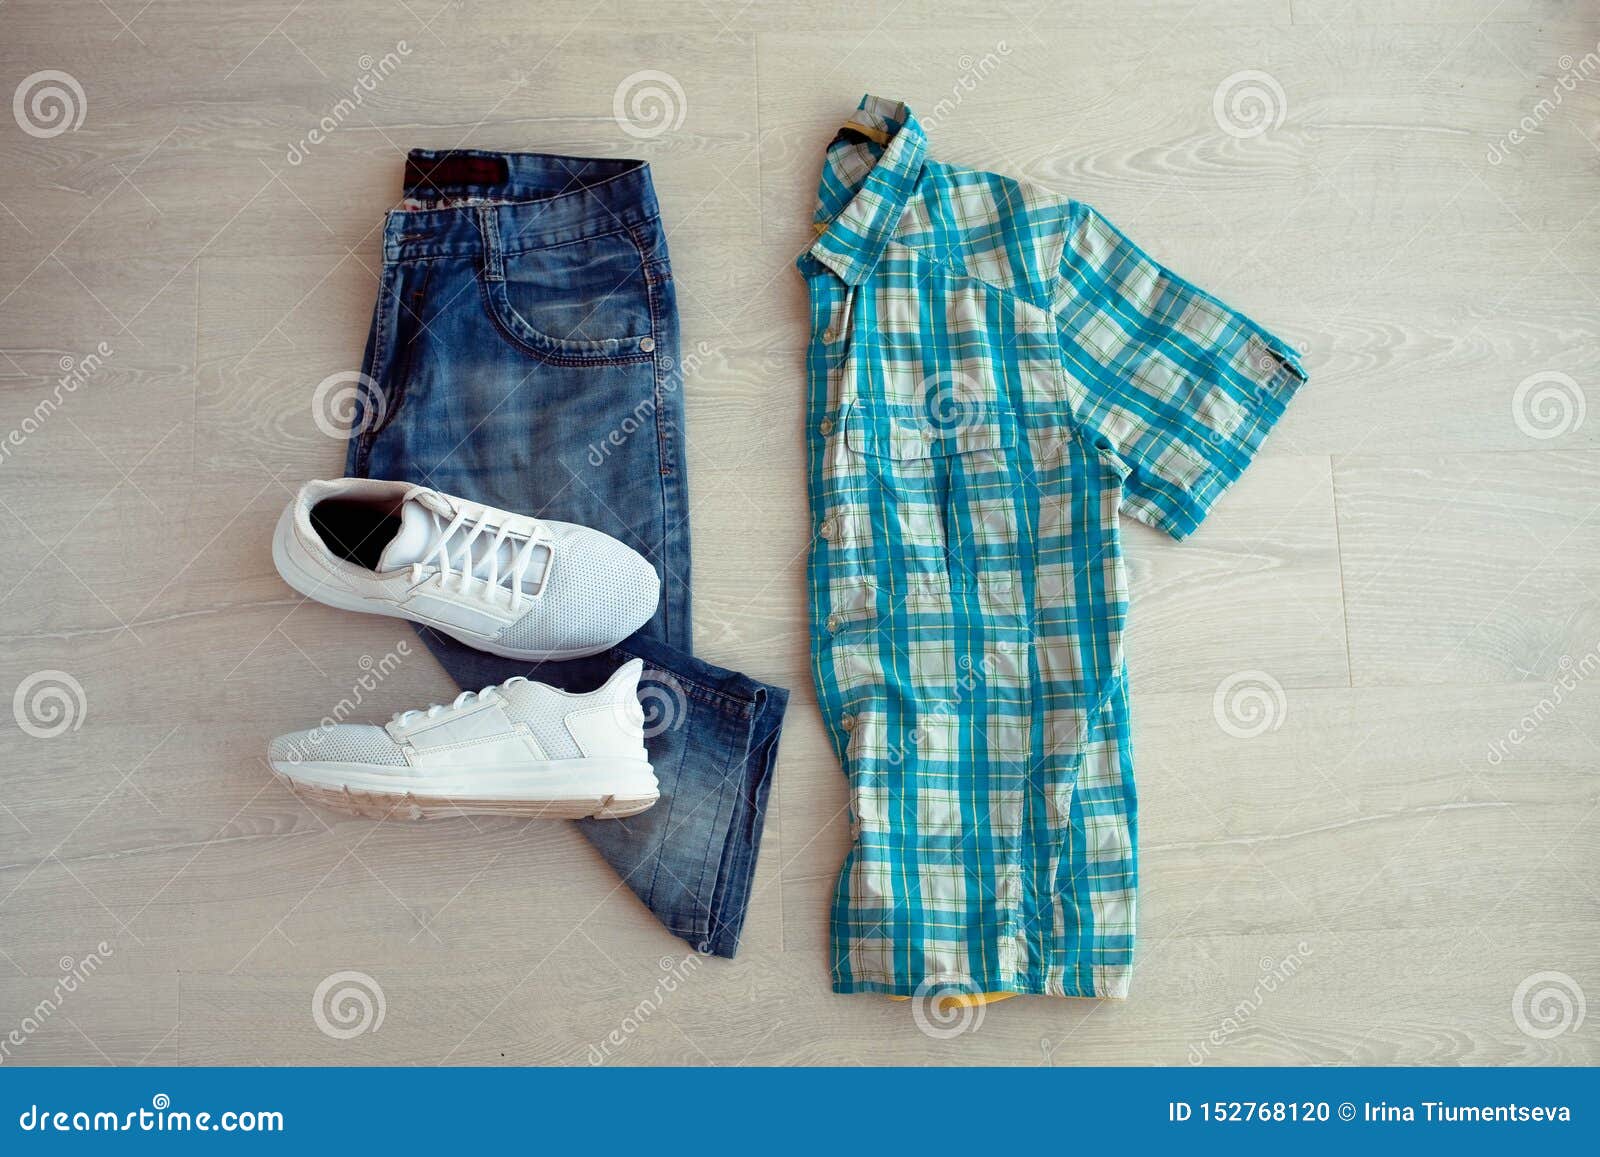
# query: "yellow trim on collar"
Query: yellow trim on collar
868,131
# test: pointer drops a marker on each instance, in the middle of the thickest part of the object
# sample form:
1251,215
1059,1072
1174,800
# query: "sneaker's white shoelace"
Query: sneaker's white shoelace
487,694
443,548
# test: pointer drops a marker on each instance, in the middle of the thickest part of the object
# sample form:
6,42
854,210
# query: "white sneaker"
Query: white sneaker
505,583
520,748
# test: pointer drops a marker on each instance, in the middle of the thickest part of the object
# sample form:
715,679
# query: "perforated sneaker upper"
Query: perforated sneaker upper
340,743
617,595
506,582
561,725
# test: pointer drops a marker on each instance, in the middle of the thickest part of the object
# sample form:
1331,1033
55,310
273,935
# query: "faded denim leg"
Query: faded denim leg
524,353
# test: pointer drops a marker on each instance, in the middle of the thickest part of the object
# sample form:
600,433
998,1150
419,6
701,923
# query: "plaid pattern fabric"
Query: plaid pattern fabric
996,375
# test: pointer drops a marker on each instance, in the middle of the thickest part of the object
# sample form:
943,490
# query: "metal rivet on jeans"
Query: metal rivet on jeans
647,344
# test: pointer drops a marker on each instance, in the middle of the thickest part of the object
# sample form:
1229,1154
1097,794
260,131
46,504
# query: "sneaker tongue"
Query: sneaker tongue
415,536
419,533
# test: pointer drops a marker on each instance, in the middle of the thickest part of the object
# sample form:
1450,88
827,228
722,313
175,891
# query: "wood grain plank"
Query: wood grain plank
1469,568
1407,562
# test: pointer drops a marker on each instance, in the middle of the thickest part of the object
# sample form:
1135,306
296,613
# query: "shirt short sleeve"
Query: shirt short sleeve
1179,388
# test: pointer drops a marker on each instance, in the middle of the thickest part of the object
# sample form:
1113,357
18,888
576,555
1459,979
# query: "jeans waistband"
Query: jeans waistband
455,199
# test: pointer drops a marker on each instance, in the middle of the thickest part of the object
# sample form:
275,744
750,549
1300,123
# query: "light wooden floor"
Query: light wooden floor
1406,574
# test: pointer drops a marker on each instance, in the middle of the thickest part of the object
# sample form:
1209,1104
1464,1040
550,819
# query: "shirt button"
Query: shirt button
826,530
833,623
829,335
848,722
826,427
647,344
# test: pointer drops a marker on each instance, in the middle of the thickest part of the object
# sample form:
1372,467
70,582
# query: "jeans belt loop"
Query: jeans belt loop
489,226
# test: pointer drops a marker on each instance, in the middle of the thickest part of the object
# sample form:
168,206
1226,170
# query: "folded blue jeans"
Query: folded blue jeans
524,353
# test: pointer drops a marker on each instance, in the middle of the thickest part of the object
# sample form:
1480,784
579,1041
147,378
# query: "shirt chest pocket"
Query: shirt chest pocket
921,506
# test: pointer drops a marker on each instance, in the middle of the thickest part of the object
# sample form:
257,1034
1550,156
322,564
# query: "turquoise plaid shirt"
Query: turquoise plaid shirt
997,375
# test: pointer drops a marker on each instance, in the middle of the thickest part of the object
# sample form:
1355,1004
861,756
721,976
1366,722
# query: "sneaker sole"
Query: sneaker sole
378,805
318,591
564,790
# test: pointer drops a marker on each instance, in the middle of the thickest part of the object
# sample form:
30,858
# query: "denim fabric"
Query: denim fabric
524,353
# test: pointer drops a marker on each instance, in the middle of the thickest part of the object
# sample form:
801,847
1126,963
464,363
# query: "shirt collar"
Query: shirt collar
856,217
